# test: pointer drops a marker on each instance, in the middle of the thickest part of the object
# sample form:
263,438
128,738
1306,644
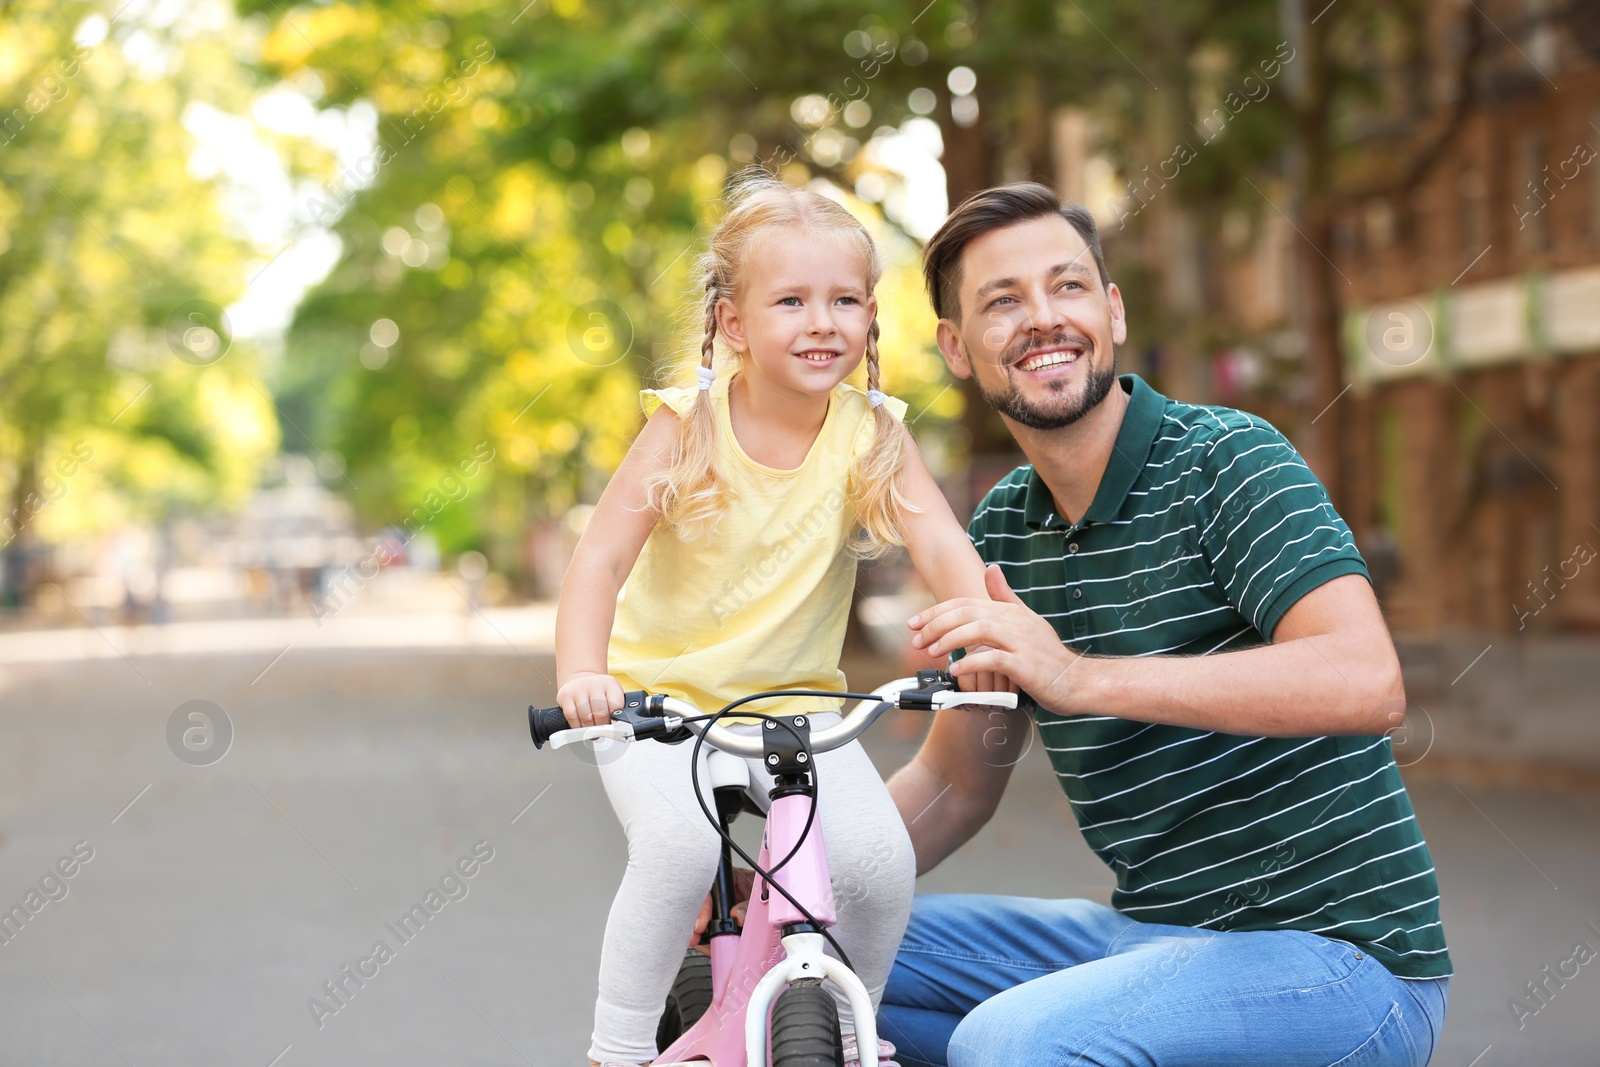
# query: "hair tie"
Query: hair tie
707,376
876,398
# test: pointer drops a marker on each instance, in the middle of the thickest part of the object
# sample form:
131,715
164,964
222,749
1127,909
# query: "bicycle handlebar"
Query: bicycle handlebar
653,716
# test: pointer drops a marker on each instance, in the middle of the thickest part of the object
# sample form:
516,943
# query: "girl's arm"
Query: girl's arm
604,558
941,551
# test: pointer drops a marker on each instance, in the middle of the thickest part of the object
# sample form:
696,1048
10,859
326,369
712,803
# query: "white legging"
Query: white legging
672,858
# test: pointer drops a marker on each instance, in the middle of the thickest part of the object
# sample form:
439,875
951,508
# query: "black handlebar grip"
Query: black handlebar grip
542,722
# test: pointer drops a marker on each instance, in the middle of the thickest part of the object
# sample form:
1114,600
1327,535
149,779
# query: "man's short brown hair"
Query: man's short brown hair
994,209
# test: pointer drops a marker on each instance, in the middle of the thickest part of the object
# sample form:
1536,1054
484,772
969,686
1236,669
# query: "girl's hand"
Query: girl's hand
588,698
984,681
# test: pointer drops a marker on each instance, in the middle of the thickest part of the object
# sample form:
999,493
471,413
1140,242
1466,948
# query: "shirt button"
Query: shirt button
1072,547
1077,594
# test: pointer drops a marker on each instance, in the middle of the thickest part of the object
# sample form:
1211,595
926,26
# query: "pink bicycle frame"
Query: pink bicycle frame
750,969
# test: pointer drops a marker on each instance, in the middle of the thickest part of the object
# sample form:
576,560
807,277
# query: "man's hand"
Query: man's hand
743,881
1001,635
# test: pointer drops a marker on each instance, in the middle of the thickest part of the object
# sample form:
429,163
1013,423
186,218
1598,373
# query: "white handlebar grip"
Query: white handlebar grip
616,731
955,699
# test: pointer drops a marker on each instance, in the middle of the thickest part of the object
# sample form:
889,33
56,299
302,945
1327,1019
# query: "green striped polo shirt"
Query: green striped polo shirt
1206,528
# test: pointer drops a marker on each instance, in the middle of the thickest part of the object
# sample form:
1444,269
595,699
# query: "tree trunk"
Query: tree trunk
971,165
1318,279
1321,300
969,151
18,578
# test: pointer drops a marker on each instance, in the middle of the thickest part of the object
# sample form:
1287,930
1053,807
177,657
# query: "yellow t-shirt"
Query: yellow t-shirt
761,601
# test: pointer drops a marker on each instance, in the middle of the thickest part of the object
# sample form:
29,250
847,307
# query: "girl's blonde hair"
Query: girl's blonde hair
692,492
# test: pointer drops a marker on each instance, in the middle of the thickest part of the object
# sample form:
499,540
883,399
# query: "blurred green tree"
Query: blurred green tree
112,260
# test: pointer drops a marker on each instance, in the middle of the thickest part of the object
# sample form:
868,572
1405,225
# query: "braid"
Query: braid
713,294
872,354
692,493
877,477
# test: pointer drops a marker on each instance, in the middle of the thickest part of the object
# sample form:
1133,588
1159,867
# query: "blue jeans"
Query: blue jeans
988,981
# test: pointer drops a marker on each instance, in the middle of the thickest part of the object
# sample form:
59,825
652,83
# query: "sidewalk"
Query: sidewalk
517,630
1522,712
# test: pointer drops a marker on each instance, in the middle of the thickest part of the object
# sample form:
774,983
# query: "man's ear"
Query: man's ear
954,352
731,326
1119,315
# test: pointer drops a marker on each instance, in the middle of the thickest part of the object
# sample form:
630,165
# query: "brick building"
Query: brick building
1472,346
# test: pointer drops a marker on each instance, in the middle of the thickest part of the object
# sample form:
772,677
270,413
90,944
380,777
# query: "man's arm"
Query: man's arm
1331,667
949,790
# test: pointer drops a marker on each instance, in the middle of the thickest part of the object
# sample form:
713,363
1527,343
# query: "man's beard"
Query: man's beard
1066,409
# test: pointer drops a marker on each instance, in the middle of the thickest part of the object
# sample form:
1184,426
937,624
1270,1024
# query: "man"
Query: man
1213,683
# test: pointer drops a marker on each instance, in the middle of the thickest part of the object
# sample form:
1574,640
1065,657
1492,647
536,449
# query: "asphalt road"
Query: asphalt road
218,898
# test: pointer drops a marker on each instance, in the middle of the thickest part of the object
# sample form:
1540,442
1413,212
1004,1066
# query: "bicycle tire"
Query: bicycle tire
805,1027
688,999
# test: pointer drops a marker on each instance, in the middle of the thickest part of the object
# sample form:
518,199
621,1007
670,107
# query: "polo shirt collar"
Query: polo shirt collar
1140,423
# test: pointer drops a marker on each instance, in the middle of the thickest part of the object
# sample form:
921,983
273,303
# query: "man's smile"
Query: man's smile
1054,357
1053,360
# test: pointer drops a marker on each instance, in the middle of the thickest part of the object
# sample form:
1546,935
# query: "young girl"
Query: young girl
732,531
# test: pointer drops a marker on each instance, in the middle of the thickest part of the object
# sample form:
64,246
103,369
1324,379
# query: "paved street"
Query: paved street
209,904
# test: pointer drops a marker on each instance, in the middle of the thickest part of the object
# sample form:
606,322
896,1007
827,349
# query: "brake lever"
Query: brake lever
930,684
627,725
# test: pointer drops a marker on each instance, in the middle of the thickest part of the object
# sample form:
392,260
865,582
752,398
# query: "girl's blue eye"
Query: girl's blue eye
848,300
791,301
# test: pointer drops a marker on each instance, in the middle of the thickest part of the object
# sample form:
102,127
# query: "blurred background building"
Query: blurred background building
1472,436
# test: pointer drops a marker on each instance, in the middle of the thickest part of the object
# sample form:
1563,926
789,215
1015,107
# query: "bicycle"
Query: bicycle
757,998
